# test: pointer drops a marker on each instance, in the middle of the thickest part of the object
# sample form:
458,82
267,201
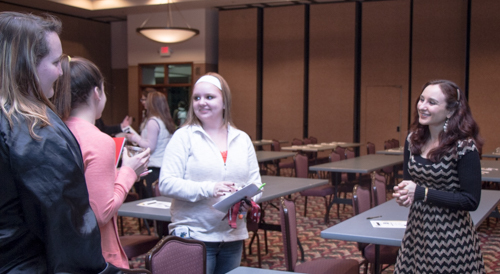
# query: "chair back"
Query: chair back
361,199
134,271
378,189
370,148
388,144
297,142
288,222
334,157
177,255
349,153
395,143
341,151
301,165
275,146
156,188
314,140
307,141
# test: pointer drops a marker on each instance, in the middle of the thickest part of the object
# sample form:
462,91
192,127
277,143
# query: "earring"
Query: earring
445,127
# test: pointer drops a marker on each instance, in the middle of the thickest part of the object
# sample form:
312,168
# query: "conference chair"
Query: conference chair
324,191
370,148
174,255
288,221
361,201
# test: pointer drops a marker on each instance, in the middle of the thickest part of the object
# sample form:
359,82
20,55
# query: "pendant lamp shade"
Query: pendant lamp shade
168,34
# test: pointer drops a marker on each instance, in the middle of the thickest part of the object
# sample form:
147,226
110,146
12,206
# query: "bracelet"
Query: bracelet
425,197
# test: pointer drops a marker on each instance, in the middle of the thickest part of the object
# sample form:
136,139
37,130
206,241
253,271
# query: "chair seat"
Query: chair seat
320,191
388,254
286,165
324,266
136,245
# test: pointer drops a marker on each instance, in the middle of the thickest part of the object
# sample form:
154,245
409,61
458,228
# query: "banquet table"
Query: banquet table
392,151
275,187
362,164
360,229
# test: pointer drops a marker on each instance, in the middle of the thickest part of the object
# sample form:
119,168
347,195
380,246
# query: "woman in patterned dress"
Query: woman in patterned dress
442,183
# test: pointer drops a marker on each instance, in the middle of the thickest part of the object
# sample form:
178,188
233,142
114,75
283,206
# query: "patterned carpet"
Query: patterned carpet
309,229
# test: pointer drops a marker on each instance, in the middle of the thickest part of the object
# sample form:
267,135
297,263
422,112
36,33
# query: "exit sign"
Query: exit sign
165,51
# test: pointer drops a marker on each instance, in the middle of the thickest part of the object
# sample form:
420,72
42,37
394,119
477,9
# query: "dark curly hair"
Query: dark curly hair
461,124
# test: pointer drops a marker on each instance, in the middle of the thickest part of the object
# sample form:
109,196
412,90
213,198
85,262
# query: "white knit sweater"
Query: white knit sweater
192,164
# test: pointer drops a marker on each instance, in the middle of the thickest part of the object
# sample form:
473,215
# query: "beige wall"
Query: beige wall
439,43
238,64
384,71
438,51
397,57
484,97
331,72
283,73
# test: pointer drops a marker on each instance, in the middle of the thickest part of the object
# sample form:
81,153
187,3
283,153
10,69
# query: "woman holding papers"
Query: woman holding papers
207,159
442,183
155,135
80,100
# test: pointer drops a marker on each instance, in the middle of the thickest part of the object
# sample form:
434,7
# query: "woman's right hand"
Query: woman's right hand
221,188
139,162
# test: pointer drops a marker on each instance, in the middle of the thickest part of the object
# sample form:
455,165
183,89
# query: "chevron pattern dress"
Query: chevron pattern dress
439,239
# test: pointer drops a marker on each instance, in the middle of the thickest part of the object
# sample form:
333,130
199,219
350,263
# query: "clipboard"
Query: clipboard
250,190
119,143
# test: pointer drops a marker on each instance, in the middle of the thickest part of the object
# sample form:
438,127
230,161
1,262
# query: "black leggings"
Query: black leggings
146,191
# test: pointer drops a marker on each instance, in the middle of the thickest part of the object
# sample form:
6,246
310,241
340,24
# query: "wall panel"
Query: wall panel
384,71
484,97
238,64
331,71
283,72
439,43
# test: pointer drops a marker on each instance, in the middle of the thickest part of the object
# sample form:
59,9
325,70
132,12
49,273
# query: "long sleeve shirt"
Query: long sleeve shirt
192,165
107,187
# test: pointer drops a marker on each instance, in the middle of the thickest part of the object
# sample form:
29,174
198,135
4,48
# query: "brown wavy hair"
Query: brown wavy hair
157,105
461,124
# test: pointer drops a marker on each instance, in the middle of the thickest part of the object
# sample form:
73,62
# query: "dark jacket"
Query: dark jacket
46,223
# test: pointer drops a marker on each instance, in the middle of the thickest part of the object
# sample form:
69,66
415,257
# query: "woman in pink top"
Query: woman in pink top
107,186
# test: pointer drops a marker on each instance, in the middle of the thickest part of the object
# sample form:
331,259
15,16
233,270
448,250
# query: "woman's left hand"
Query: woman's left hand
405,193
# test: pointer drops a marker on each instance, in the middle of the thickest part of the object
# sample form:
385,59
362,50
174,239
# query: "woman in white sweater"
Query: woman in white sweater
205,160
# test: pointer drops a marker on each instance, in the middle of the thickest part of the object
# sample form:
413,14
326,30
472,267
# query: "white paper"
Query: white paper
129,129
389,224
249,191
156,204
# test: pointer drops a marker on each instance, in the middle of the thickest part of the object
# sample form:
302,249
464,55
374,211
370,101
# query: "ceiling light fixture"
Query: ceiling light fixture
168,34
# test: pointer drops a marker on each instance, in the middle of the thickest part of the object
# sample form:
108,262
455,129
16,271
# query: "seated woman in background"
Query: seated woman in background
157,131
207,159
80,100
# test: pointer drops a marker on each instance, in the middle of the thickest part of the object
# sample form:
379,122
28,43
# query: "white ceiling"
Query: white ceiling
117,10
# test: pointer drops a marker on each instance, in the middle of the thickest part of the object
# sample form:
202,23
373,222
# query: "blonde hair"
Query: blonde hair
191,118
23,44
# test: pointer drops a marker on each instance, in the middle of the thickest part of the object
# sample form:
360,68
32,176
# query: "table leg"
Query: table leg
377,259
336,199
